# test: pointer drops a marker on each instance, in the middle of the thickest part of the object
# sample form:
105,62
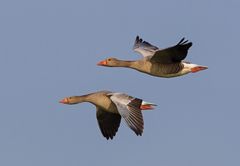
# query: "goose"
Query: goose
157,62
111,107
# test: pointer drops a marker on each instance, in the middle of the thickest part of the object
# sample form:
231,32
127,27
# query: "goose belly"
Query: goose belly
166,70
106,104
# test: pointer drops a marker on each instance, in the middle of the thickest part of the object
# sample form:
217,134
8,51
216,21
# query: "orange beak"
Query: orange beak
64,101
198,68
102,63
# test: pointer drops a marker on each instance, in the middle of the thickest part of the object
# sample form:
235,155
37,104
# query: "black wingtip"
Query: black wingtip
108,137
138,40
190,44
187,45
138,132
180,42
185,42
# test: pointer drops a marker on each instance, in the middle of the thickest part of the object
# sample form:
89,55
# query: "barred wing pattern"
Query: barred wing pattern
129,108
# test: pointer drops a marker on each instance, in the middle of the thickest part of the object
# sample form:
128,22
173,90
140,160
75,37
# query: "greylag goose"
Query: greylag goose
166,62
111,107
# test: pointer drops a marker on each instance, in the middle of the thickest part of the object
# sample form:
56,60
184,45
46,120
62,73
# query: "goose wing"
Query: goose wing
129,108
172,54
108,123
144,48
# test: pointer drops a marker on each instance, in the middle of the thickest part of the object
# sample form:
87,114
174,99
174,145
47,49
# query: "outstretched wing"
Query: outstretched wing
144,48
108,123
129,108
172,54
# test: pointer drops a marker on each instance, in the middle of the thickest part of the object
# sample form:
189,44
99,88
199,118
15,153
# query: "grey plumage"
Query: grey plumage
168,55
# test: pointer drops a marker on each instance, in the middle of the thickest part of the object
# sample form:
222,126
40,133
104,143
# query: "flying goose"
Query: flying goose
166,62
111,107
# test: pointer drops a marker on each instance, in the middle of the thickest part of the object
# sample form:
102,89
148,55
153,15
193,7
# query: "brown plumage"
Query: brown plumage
111,107
158,62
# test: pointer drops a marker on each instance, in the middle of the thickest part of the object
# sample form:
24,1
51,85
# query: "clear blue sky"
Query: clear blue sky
49,50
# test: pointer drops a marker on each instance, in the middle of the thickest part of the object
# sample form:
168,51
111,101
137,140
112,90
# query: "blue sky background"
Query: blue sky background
49,50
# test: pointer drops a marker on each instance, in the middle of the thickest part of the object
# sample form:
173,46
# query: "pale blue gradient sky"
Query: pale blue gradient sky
49,50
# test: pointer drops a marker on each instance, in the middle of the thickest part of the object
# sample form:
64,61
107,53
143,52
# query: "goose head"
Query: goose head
109,62
71,100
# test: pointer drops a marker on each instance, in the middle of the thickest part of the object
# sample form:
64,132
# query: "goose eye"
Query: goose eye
109,59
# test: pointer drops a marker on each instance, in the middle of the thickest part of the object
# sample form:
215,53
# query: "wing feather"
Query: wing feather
129,108
172,54
108,123
144,48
